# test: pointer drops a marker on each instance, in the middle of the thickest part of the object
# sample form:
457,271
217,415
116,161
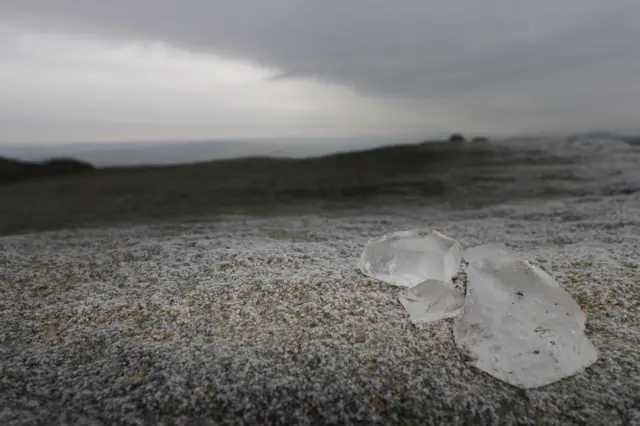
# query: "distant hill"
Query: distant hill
186,152
457,174
15,171
630,139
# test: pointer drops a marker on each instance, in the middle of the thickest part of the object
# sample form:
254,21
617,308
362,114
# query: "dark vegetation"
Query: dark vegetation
12,171
456,174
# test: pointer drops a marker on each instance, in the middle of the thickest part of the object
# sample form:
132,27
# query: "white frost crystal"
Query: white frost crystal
408,258
431,300
519,325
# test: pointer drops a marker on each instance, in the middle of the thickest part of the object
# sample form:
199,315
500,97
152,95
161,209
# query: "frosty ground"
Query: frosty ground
268,320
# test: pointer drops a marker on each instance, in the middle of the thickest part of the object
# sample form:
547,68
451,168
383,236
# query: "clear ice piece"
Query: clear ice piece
408,258
494,251
519,325
431,300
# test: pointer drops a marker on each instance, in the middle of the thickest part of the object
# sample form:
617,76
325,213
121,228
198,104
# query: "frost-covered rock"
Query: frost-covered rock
431,300
408,258
519,325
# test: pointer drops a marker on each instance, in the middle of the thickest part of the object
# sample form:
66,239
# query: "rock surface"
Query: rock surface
408,258
231,322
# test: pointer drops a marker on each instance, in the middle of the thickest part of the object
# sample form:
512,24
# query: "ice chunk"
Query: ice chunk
431,300
498,252
519,325
492,250
408,258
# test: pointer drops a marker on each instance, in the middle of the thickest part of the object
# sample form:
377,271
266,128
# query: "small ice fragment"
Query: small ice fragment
519,325
491,250
408,258
431,300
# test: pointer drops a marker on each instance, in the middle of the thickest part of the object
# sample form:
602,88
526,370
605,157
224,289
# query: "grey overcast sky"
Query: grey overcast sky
96,70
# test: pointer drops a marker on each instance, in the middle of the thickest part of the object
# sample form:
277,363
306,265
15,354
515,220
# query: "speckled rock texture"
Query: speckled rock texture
270,321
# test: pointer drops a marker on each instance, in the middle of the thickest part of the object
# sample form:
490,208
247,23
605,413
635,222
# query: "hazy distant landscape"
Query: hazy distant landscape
181,152
460,175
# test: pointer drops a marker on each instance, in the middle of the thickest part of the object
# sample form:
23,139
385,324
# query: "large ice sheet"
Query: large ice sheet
519,325
431,300
408,258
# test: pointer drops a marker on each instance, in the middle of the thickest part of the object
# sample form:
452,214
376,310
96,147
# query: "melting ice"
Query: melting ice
519,325
515,322
408,258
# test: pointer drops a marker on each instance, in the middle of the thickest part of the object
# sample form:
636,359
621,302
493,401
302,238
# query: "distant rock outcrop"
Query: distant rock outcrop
457,138
15,170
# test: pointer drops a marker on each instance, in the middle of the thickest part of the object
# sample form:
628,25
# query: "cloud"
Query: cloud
494,65
58,88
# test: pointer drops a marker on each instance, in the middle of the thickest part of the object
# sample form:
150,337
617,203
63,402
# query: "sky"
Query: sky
135,70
